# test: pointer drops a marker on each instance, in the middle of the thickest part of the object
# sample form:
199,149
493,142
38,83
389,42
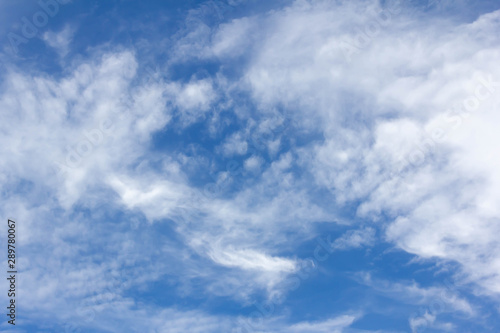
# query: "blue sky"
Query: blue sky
252,166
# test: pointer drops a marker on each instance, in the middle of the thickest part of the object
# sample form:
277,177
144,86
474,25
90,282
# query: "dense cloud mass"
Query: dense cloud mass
261,129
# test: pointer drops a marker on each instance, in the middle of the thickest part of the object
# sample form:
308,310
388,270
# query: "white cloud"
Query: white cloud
365,117
389,109
249,259
60,40
336,325
354,239
437,299
197,94
232,38
253,163
235,144
428,320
